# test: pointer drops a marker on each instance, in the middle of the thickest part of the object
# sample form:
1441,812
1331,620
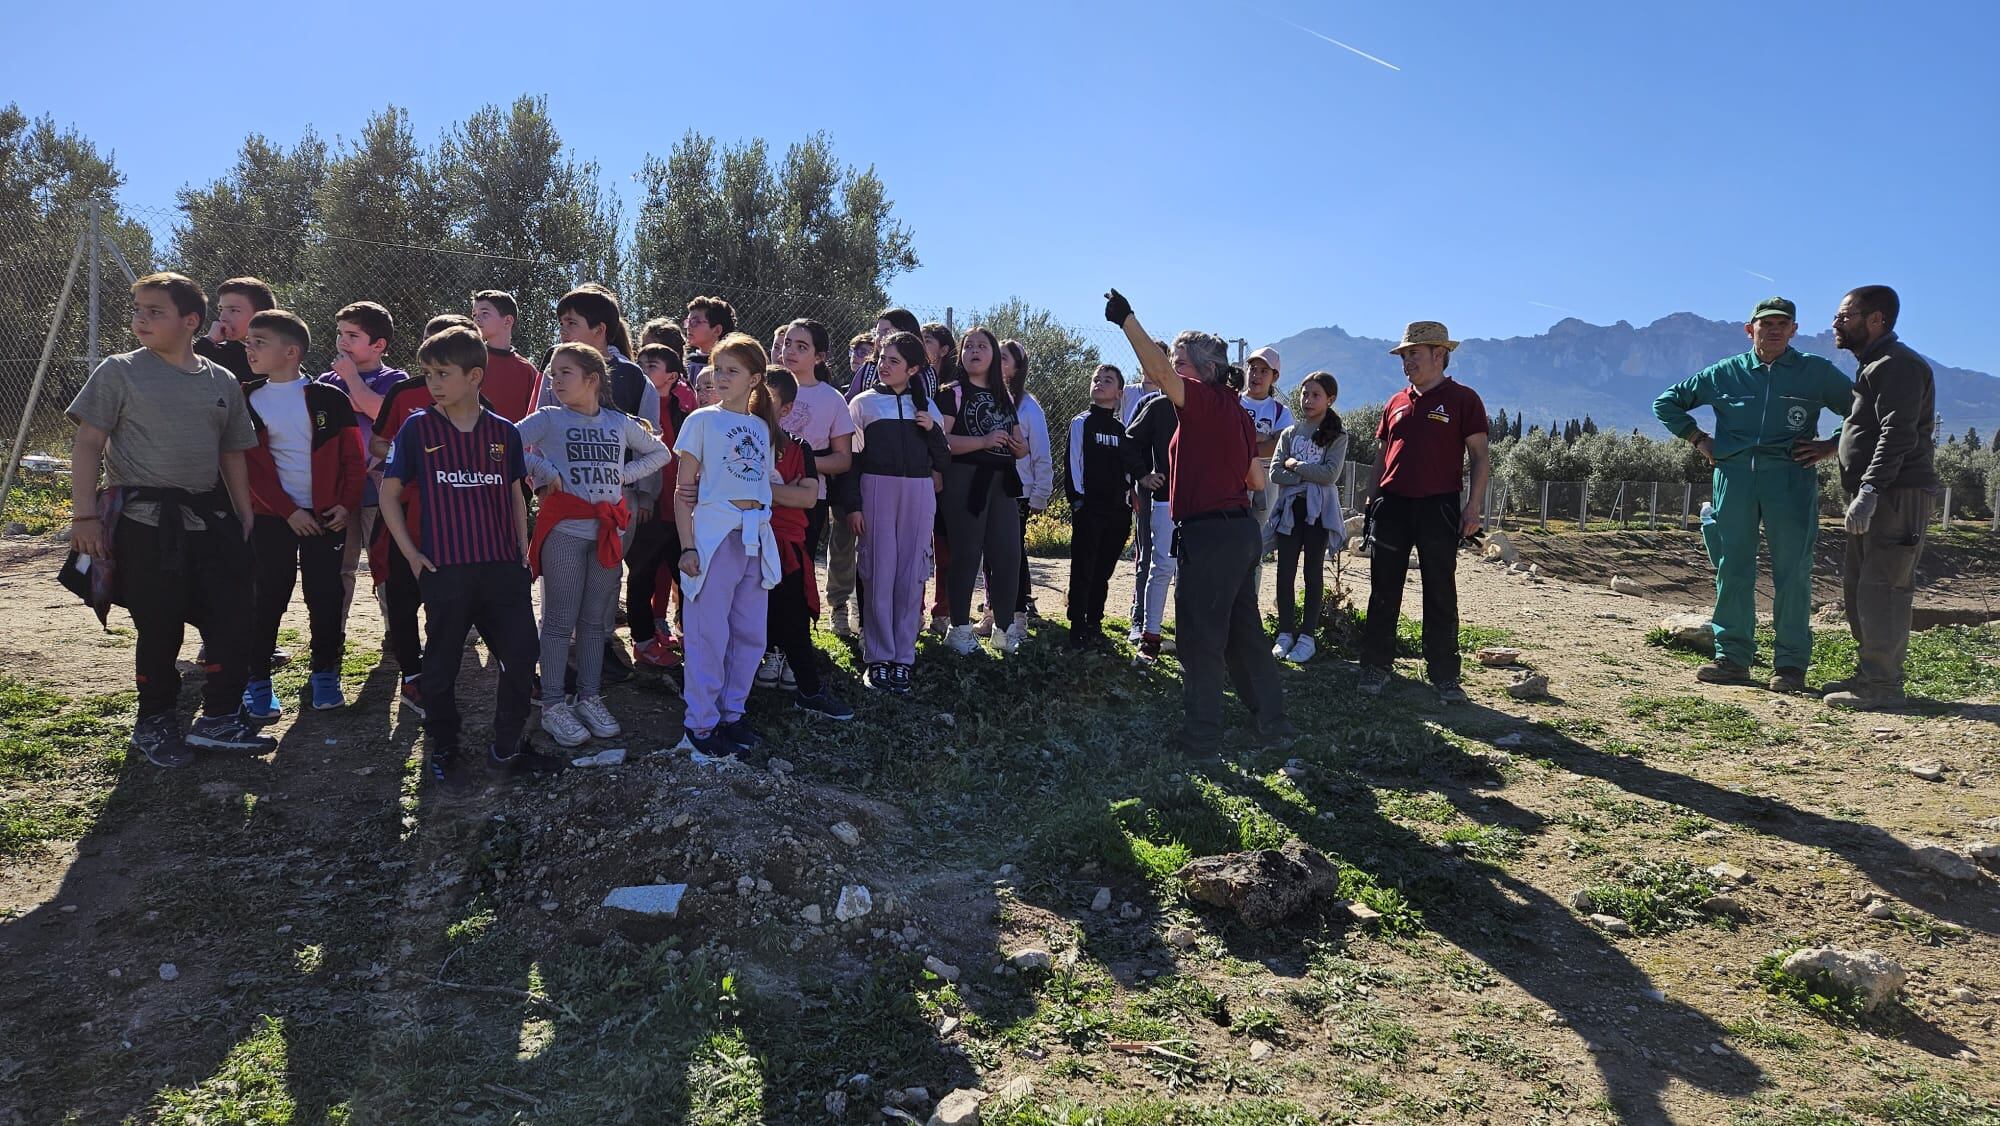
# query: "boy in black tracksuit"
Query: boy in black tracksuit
1101,466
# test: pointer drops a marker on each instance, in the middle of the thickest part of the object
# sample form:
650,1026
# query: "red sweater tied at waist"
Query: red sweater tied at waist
557,507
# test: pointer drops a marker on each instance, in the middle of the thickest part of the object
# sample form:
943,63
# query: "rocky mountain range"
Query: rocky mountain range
1609,372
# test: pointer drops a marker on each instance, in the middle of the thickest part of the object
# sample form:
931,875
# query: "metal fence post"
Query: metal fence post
1994,507
1545,506
90,351
1947,508
1687,498
1583,510
41,372
1653,509
949,322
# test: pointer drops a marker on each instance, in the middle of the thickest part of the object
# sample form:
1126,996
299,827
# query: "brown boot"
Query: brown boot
1788,680
1722,672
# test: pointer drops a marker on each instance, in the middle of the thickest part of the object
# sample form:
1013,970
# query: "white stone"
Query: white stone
1928,771
1965,996
854,903
1101,901
1260,1051
613,757
169,971
779,766
1031,958
1511,739
1692,631
1181,937
845,833
1129,911
1612,924
1729,873
811,914
1945,861
1362,913
656,900
1530,686
959,1108
1498,656
836,1104
1622,585
1983,850
1016,1090
1880,910
1868,975
1499,548
941,968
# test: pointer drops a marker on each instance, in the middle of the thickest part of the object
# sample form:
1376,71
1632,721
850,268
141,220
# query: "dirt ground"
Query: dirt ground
321,885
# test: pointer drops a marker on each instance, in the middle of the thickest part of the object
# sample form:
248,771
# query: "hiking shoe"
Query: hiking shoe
962,640
1863,701
985,627
771,671
1010,639
590,710
879,677
158,737
1283,647
323,689
824,703
617,662
524,760
711,745
412,696
1451,692
900,675
740,734
1722,672
229,733
563,726
1845,684
841,624
655,653
1374,678
1305,649
1788,680
260,706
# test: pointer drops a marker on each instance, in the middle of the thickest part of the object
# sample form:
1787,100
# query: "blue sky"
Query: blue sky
1223,164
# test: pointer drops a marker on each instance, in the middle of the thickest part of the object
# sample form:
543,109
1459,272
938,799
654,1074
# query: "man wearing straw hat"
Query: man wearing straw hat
1428,431
1767,403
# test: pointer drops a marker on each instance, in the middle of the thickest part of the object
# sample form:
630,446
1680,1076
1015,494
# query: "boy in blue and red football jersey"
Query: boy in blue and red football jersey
466,465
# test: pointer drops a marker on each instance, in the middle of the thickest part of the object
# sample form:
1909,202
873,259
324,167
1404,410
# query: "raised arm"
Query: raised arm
1154,362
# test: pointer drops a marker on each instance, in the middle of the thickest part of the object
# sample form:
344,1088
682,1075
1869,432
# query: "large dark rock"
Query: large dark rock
1263,887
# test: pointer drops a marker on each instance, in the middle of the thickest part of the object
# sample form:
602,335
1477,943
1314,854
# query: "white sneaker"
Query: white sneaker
771,671
842,625
1009,640
595,716
986,623
559,720
1283,649
962,640
941,625
1305,650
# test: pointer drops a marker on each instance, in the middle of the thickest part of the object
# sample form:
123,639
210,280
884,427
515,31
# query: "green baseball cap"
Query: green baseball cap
1774,307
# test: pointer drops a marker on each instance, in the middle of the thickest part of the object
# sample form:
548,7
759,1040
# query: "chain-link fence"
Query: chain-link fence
64,303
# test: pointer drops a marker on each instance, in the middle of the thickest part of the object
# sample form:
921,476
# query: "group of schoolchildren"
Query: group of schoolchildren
696,473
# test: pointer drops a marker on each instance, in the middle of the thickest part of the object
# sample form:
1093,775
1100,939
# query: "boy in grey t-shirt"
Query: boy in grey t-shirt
171,428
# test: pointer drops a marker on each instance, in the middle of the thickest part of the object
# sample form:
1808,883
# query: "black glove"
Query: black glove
1116,308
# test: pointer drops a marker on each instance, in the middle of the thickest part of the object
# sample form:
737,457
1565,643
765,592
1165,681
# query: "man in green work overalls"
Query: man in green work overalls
1767,403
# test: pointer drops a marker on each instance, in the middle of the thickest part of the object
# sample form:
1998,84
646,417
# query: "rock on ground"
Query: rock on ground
1869,976
1946,862
657,900
855,901
960,1108
1529,686
1265,886
1622,585
1495,656
1500,549
1689,631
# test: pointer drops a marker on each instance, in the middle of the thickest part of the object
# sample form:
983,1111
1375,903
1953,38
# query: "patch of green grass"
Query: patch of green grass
1930,1103
65,754
1750,1030
1494,844
1184,996
1818,997
1655,897
249,1087
1714,722
1923,928
1428,806
1262,1024
40,502
1945,663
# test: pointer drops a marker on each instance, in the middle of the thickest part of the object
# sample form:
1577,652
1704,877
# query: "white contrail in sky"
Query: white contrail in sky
1343,46
1557,308
1755,274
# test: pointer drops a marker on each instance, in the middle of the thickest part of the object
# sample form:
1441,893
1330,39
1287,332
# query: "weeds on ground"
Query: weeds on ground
1715,722
1819,997
1656,897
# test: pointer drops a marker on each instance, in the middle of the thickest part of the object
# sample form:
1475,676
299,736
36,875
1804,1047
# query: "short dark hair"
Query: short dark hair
902,319
188,299
502,301
665,354
1112,368
783,384
597,306
1878,299
370,318
444,321
287,324
663,330
259,293
721,314
457,346
861,340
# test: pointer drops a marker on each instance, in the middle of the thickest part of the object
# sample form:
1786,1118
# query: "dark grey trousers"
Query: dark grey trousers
1878,580
1218,629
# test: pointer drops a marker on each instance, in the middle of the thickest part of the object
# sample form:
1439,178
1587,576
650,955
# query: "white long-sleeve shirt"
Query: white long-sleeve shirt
1038,468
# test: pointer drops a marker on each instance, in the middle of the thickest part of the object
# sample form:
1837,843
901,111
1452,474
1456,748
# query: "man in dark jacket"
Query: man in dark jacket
1887,452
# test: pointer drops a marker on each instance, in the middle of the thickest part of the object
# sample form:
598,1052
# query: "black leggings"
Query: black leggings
1312,538
790,630
653,543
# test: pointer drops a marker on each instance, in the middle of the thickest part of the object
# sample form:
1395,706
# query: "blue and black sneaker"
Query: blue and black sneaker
260,705
824,703
158,737
524,760
324,691
740,734
229,733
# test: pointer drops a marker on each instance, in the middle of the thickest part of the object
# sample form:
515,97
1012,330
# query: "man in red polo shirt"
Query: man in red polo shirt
1428,430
